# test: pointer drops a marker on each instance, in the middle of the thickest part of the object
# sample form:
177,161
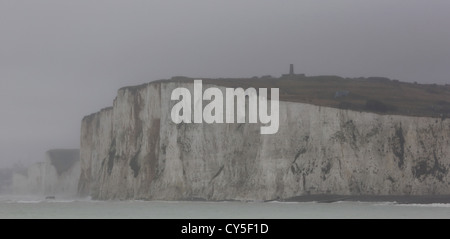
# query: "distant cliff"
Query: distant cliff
133,150
57,175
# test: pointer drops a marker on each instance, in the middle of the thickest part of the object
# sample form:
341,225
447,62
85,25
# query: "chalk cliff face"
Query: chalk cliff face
58,175
134,151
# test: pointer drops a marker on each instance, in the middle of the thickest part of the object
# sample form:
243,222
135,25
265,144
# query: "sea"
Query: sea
36,208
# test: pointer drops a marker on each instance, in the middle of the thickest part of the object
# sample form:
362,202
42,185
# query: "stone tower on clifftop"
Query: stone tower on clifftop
292,73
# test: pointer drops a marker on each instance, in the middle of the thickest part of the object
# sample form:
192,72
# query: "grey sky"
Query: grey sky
61,60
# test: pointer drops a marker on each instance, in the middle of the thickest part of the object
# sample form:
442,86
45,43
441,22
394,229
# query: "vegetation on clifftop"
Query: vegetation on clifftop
374,94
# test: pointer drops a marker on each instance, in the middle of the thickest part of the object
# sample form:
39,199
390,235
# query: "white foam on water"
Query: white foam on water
445,205
25,201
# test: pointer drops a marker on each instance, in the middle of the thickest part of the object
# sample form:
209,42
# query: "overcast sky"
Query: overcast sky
63,59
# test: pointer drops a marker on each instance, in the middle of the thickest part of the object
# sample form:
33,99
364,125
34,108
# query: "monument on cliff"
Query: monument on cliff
292,73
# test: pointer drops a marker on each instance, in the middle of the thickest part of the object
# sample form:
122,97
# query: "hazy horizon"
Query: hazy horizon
62,60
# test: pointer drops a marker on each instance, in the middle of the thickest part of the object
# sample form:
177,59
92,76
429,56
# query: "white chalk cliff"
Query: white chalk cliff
134,151
58,175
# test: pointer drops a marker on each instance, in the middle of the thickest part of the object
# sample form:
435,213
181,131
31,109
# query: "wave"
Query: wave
445,205
27,202
30,199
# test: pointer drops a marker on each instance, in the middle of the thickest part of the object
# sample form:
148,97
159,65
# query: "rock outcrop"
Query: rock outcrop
58,175
134,151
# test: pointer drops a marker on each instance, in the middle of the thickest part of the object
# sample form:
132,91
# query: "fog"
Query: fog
61,60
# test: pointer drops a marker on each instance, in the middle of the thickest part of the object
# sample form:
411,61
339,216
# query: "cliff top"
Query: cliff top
373,94
92,116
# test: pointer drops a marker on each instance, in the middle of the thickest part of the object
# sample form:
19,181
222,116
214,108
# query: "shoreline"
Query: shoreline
319,198
398,199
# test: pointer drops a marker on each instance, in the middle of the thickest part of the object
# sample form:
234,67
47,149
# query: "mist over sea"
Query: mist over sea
29,207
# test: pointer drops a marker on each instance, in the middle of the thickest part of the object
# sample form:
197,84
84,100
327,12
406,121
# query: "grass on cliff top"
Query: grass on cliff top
373,94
